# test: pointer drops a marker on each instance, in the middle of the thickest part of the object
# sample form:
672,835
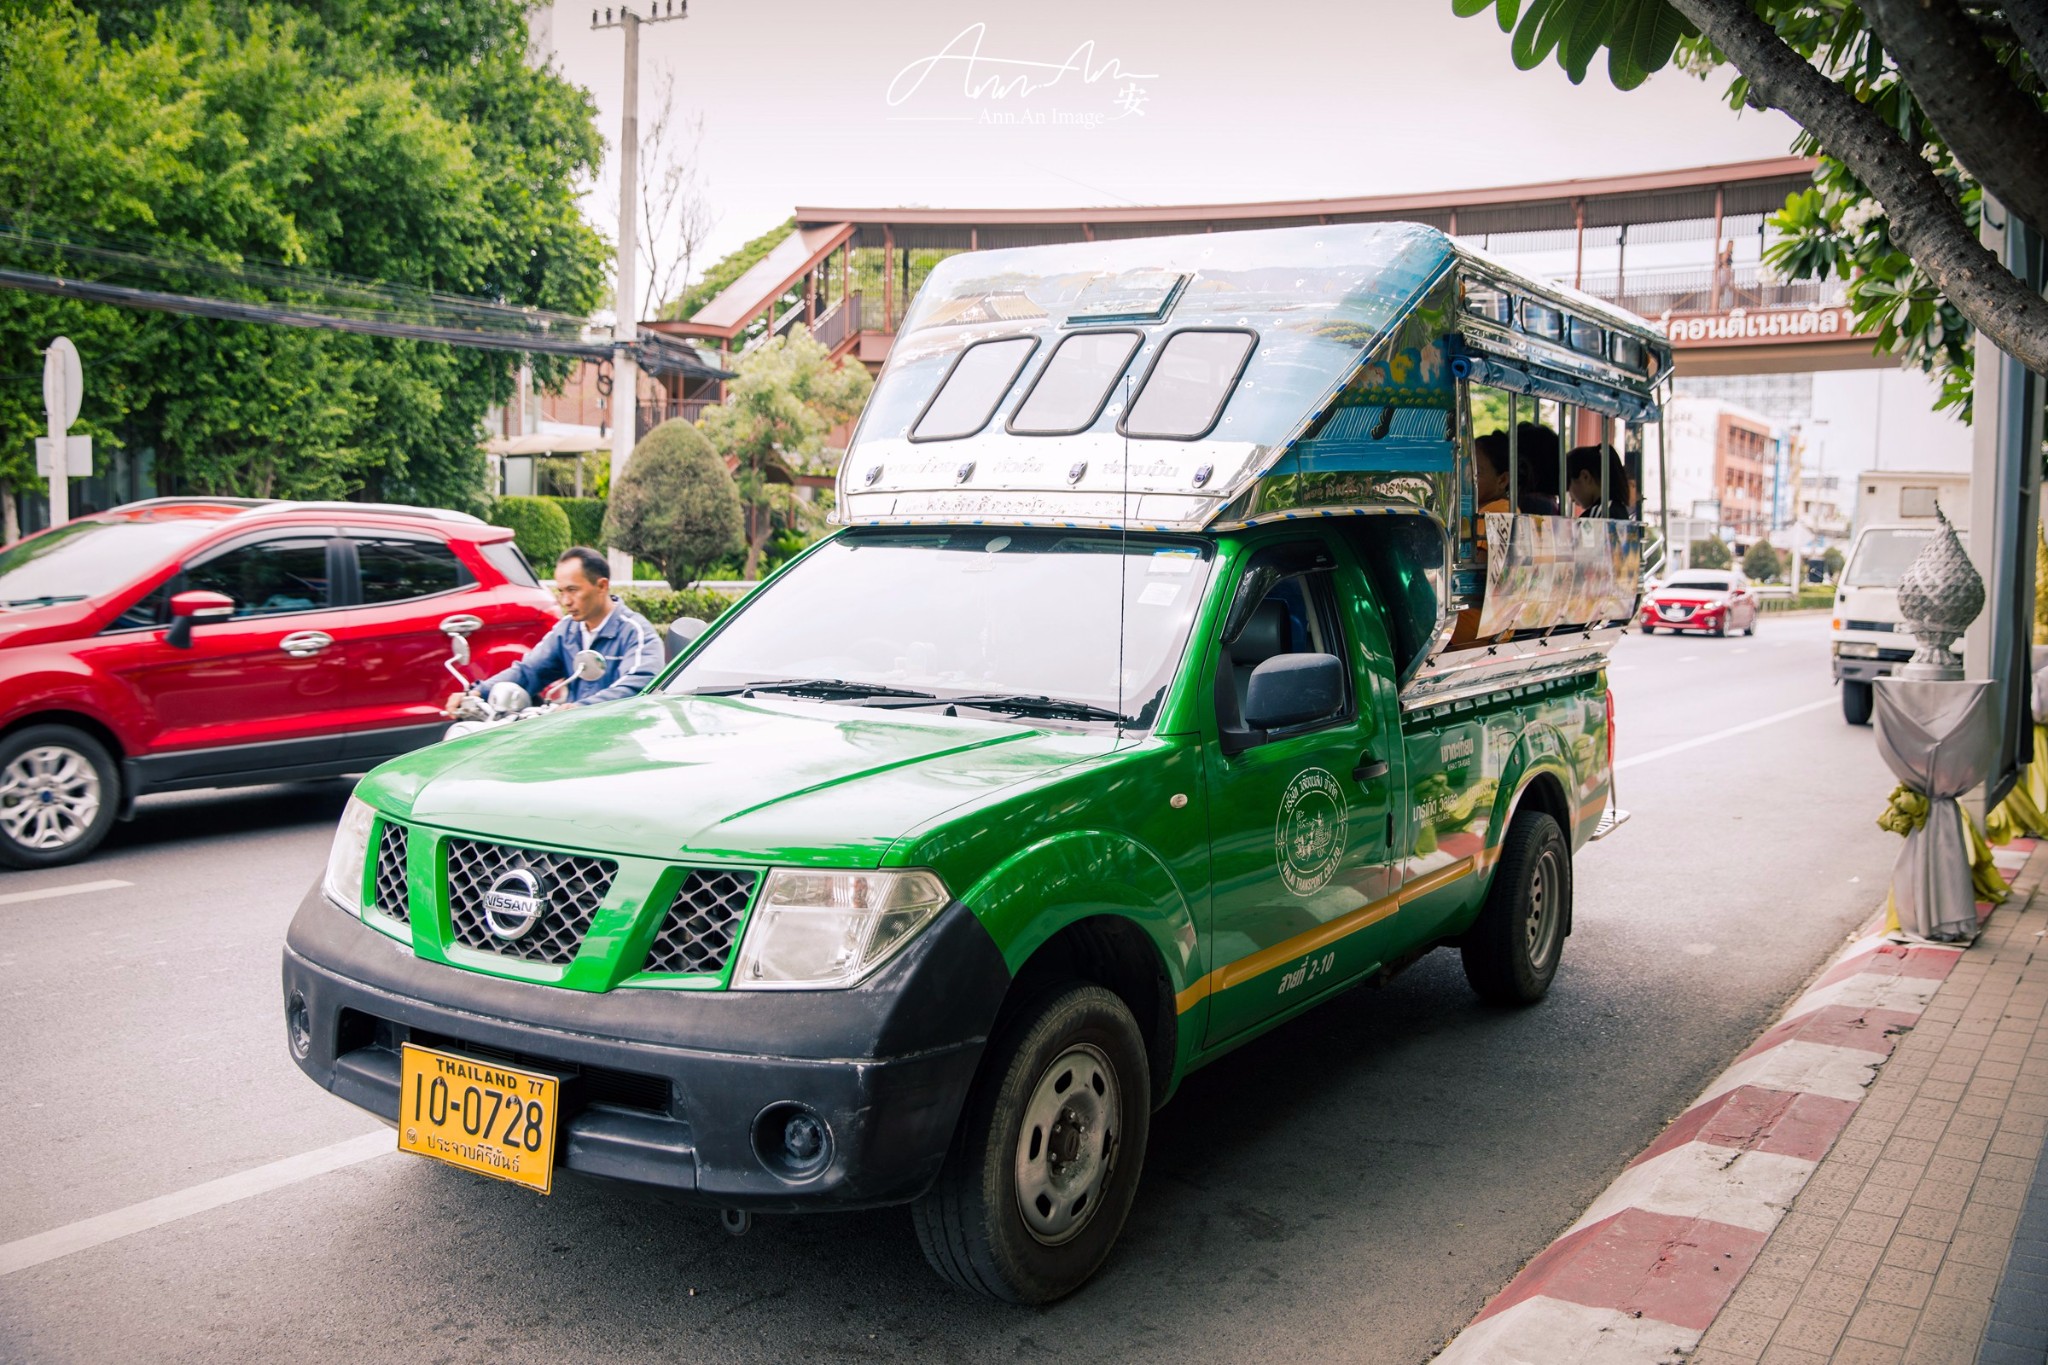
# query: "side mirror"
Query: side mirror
683,632
1292,689
188,609
589,665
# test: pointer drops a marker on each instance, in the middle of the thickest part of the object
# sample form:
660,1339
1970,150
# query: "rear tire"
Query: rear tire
1857,702
59,794
1512,950
1045,1162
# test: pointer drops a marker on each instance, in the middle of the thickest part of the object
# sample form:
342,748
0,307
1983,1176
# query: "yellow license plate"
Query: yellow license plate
482,1116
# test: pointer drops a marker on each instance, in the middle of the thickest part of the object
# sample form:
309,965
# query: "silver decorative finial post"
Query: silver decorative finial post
1939,595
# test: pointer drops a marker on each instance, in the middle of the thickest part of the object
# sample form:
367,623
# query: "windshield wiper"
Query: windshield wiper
43,601
1029,705
833,688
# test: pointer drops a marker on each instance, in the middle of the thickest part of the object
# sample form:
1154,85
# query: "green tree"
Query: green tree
539,528
1712,553
676,504
1831,562
409,144
1915,106
776,415
1760,562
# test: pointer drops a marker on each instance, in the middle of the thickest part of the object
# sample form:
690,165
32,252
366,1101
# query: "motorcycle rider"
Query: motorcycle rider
592,619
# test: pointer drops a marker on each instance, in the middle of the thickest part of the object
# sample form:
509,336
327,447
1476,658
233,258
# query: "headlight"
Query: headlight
344,880
814,929
1850,649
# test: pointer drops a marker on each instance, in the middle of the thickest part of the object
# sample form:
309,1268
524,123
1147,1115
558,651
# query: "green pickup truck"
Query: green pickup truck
1169,675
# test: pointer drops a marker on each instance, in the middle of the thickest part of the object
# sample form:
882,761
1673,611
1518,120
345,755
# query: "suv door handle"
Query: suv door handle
304,644
1369,768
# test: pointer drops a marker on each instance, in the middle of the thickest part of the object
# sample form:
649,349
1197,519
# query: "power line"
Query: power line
319,301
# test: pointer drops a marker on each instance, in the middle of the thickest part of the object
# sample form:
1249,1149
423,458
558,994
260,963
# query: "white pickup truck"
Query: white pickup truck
1868,634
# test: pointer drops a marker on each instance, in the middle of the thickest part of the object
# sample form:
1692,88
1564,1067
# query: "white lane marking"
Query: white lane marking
1720,735
75,889
169,1208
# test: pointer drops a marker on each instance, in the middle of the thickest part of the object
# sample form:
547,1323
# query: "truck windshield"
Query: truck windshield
90,558
980,612
1882,556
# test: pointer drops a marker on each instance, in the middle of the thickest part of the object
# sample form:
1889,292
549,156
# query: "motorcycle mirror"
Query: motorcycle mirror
589,665
460,645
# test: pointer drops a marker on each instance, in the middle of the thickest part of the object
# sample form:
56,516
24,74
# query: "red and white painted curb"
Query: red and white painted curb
1640,1276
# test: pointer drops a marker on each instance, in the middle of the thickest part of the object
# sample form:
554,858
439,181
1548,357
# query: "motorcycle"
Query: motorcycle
506,702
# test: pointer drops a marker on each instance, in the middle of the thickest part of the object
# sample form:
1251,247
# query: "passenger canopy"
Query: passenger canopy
1146,382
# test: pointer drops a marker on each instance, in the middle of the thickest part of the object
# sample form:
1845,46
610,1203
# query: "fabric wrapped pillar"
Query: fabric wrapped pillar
1939,739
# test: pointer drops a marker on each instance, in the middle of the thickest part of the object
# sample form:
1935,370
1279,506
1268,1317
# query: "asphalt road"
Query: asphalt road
1353,1186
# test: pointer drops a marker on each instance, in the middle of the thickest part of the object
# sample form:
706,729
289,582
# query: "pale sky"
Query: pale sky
1198,102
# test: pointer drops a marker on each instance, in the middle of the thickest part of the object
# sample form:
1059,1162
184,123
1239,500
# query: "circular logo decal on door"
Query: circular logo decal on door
1309,835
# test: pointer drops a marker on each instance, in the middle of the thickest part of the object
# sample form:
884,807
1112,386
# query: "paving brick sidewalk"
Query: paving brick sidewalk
1895,1248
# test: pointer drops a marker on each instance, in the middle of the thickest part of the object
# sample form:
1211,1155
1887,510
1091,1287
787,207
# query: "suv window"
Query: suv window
504,556
393,569
267,577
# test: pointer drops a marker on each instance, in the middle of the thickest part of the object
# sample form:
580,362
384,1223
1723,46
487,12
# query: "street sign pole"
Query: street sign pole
63,391
625,396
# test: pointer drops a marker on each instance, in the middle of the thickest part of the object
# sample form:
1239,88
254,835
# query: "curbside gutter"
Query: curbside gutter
1642,1273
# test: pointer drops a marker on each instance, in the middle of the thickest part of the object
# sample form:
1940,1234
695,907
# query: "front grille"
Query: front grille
388,893
1883,627
697,934
1676,610
592,1084
572,887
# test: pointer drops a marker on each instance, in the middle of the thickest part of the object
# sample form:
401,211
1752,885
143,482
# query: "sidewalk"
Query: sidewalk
1908,1242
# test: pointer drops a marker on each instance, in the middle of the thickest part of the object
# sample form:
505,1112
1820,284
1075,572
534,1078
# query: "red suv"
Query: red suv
216,642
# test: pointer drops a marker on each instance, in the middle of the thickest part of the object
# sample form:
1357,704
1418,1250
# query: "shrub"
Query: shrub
540,528
1760,562
1711,554
660,608
586,520
676,503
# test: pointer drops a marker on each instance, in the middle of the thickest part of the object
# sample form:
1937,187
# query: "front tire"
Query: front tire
59,793
1044,1165
1857,702
1512,950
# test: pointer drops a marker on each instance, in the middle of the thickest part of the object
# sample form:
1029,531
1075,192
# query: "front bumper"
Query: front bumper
663,1087
1868,670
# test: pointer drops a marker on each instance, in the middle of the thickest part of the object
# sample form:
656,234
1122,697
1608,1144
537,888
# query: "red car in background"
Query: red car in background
1711,601
215,642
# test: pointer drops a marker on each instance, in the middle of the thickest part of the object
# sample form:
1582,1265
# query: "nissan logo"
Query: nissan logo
514,904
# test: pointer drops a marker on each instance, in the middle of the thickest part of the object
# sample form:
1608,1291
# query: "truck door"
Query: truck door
1298,816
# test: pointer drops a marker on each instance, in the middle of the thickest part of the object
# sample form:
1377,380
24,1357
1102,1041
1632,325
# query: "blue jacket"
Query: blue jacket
632,656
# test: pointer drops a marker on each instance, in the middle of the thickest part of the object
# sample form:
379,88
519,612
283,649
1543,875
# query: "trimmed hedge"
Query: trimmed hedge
540,529
586,520
660,608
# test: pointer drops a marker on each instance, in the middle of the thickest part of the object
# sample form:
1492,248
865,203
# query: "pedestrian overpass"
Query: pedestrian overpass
1682,248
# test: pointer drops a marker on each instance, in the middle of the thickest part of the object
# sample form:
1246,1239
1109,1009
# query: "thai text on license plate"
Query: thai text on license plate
482,1116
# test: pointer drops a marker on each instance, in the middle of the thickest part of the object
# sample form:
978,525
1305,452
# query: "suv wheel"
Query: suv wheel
59,792
1511,950
1045,1163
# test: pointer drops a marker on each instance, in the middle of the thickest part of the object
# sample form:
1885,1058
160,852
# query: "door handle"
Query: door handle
304,644
1369,768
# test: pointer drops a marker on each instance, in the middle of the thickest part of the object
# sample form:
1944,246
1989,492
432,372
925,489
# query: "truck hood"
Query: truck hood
795,782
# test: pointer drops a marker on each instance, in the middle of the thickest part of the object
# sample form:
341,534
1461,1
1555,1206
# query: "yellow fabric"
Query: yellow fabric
1984,874
1906,810
2025,808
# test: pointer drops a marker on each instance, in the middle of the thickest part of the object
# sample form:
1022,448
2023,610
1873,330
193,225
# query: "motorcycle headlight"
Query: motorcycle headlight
347,858
829,929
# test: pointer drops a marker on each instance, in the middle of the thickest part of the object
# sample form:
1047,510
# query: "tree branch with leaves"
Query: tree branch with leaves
1913,104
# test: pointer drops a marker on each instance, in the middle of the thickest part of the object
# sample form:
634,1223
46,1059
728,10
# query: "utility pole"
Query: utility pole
625,370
